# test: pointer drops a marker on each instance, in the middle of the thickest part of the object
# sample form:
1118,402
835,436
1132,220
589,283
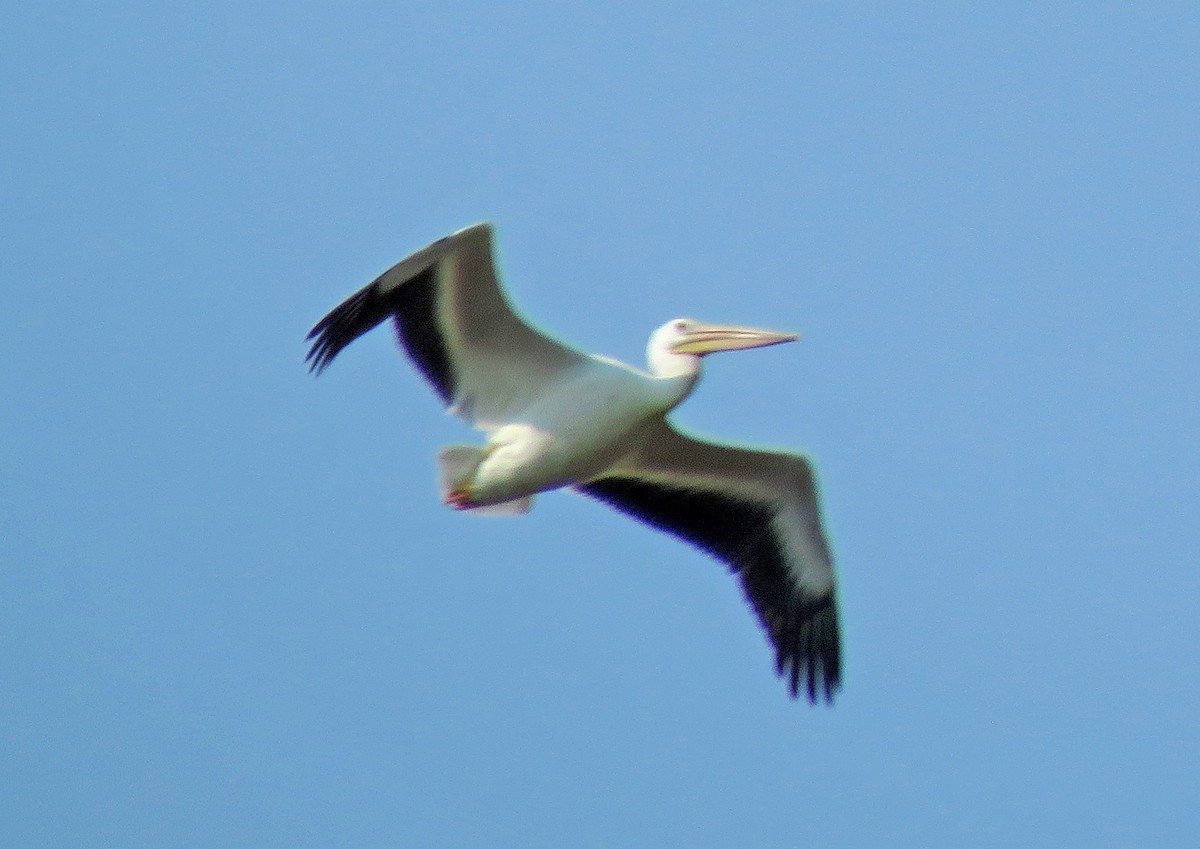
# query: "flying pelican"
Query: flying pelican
558,417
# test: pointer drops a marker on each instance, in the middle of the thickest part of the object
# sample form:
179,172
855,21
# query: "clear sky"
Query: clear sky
233,612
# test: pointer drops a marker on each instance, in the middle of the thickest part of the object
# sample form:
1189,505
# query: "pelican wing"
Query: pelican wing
757,511
456,325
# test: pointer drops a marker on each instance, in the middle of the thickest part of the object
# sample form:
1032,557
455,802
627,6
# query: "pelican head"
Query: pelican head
675,347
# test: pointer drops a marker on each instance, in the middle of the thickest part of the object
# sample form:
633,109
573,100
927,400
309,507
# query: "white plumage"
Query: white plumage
557,417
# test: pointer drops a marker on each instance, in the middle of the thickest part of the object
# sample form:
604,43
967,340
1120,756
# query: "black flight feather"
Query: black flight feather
413,307
803,630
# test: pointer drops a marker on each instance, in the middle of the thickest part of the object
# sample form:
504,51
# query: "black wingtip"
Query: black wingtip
803,629
321,353
345,323
314,360
812,661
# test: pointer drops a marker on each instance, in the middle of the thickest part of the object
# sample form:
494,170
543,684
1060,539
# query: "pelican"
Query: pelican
556,417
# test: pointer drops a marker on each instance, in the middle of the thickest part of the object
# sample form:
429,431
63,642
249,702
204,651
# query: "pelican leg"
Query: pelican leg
459,499
457,465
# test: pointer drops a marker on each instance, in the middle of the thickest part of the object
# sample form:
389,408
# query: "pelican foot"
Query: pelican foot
459,498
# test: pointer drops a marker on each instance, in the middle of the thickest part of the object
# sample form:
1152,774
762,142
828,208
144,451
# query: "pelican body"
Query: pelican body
555,417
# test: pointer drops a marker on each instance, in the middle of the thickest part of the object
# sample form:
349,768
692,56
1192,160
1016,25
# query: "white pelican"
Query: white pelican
557,417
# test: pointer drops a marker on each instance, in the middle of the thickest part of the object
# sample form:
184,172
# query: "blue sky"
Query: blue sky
234,612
